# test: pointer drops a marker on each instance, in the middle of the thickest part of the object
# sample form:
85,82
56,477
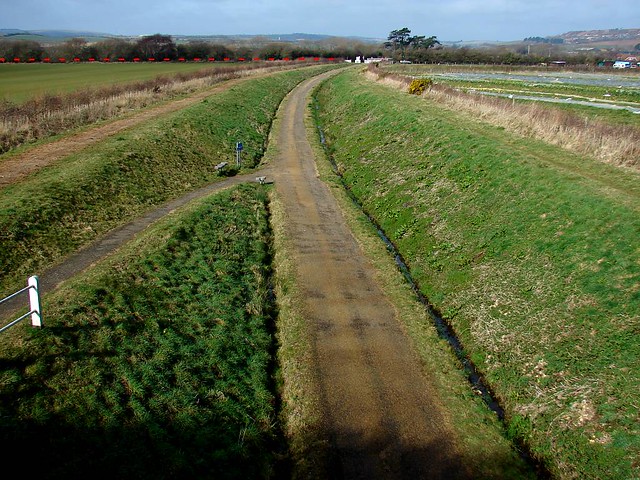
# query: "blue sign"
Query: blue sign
239,146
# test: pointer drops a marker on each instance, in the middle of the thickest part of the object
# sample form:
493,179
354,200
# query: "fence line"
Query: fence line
33,287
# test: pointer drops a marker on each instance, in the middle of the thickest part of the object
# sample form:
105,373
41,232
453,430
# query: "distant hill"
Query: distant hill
62,35
599,36
609,39
12,32
286,37
6,32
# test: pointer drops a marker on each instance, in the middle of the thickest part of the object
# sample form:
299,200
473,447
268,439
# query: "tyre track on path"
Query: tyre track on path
382,417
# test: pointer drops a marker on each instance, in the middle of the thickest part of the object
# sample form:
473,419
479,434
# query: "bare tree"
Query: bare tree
73,47
156,46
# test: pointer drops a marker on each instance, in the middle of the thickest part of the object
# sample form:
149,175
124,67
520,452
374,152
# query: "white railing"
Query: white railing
33,287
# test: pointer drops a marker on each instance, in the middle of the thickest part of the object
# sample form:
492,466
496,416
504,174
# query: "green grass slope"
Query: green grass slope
157,364
530,253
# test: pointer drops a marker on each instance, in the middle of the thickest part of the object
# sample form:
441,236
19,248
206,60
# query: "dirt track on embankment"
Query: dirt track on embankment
382,416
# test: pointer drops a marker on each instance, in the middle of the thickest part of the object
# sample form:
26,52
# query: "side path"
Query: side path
108,243
382,417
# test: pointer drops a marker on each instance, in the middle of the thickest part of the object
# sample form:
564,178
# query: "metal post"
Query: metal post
239,148
34,301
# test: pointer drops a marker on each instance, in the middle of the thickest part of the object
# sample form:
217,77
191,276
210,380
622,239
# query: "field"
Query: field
615,90
585,118
19,82
528,252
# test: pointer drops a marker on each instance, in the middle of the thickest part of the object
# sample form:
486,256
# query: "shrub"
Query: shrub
419,85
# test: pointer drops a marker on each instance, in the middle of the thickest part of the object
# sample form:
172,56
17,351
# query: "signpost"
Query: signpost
239,148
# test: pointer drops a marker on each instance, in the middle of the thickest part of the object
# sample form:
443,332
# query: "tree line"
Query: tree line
422,49
160,47
400,46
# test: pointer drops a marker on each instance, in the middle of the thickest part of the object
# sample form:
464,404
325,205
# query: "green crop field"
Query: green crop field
617,89
19,82
528,251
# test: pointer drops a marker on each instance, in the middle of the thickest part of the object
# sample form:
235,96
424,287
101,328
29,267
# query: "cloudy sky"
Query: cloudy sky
448,20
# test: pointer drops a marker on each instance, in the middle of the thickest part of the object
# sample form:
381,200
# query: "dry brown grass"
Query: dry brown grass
391,79
614,144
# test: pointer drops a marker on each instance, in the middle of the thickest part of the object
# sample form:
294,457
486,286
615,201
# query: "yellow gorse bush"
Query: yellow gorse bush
419,85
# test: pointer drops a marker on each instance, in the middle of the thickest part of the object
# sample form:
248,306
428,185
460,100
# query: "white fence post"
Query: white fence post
34,301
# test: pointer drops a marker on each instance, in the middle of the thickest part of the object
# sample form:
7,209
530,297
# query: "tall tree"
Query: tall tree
401,39
424,42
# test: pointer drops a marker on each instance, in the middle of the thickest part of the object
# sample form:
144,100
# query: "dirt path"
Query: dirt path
382,416
19,166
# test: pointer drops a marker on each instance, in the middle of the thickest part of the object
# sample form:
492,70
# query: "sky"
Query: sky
448,20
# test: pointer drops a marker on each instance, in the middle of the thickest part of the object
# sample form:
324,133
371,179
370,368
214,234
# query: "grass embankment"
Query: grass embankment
65,206
156,364
528,251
